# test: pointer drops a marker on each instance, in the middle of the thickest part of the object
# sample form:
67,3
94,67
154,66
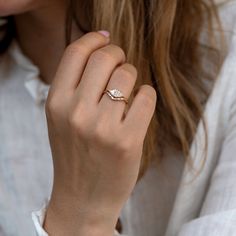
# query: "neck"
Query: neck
41,36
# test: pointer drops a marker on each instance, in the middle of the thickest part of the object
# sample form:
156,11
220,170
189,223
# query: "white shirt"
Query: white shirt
25,159
161,203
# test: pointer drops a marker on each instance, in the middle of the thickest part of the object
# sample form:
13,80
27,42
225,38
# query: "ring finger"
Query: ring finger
123,79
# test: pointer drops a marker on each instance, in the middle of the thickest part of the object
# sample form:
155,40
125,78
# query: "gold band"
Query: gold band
115,95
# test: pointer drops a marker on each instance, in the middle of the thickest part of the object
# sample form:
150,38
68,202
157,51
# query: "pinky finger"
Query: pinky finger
139,116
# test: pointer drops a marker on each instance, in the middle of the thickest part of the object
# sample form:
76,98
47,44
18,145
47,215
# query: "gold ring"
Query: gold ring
116,95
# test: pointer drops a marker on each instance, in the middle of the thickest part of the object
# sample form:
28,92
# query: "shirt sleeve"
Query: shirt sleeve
38,219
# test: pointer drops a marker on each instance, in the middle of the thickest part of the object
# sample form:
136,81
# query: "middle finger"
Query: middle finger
97,72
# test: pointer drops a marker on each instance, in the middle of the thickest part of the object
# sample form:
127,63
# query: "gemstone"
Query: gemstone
116,93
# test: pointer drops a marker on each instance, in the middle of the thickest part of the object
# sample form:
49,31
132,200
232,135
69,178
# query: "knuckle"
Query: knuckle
76,48
52,106
77,121
127,71
72,119
146,100
126,146
111,52
101,55
77,125
147,95
119,50
99,135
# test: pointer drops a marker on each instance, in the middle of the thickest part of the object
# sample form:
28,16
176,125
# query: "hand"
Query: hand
96,150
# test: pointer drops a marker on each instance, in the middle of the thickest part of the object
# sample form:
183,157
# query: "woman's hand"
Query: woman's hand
96,150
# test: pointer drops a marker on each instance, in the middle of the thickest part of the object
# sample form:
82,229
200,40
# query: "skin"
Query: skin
96,150
19,6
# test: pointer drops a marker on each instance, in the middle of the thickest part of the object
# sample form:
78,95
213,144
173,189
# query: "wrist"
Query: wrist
67,218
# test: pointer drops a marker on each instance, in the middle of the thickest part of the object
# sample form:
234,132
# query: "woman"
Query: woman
141,118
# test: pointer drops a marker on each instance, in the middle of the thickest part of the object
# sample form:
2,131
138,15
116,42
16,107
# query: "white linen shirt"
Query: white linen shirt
161,203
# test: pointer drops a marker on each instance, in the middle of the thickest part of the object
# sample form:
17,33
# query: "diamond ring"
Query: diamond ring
116,95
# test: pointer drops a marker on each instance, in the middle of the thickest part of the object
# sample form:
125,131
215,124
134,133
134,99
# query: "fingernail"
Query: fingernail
105,33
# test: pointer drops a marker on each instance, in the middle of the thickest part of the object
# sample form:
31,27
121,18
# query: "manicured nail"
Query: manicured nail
105,33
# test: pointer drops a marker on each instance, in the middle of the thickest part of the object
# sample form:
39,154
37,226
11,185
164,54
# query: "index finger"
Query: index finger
75,58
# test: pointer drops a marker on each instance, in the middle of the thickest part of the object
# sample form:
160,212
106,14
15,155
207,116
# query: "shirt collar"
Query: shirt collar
32,82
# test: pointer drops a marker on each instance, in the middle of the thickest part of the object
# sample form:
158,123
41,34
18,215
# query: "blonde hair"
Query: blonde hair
161,38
